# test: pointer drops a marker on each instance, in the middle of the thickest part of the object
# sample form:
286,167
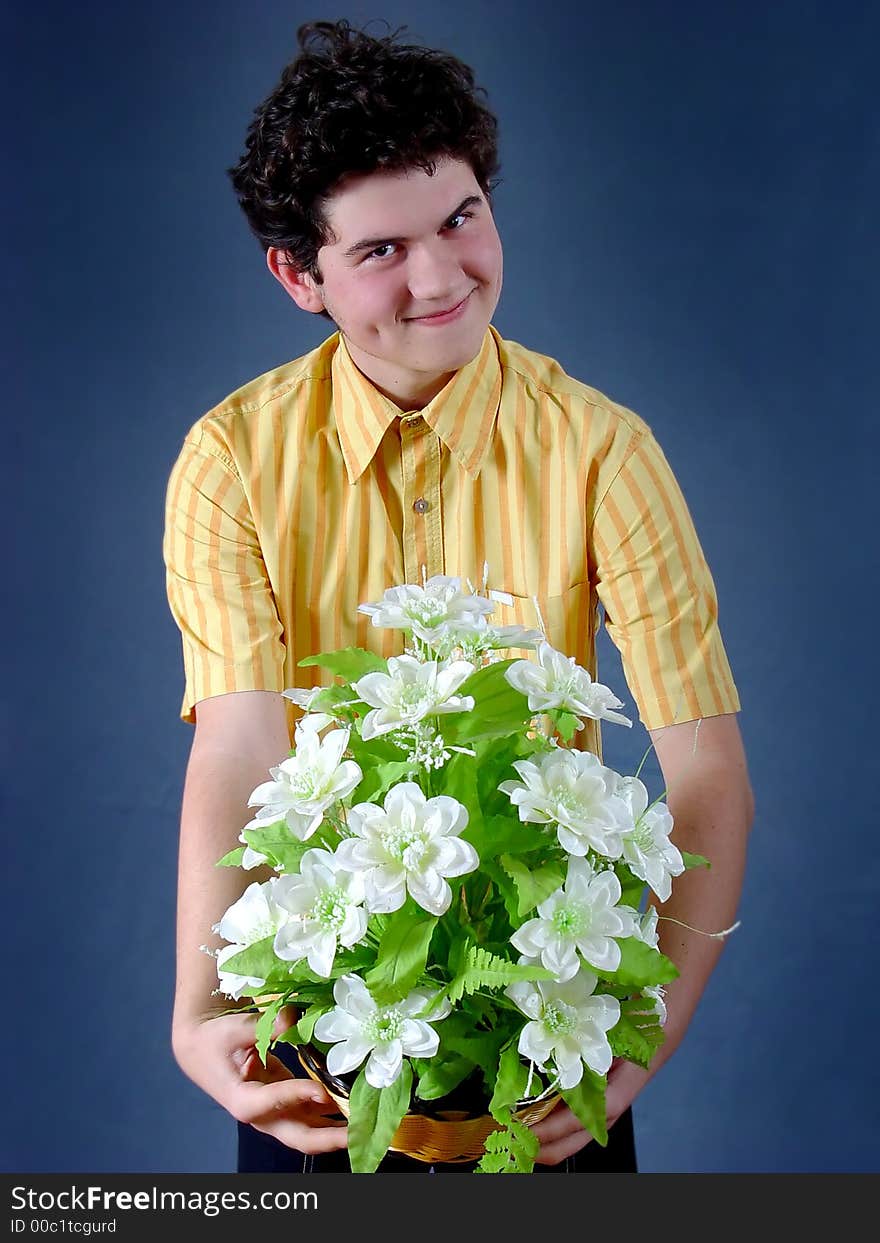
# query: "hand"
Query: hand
219,1055
561,1134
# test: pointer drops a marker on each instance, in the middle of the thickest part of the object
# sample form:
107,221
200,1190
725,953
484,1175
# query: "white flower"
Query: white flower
650,854
568,1023
309,782
581,917
253,917
303,697
410,844
560,683
646,930
423,609
574,791
326,903
473,636
357,1026
411,690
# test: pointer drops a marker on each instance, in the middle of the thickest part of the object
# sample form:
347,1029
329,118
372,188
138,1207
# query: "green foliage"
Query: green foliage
231,860
377,781
376,1114
350,663
641,964
533,883
440,1075
566,723
631,888
258,960
301,1032
277,842
484,970
403,952
694,861
510,1086
265,1023
499,835
638,1034
587,1102
510,1150
498,708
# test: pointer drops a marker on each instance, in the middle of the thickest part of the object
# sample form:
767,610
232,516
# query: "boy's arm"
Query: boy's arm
237,738
710,798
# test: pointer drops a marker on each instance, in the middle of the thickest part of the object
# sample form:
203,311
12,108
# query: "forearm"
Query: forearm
712,813
219,780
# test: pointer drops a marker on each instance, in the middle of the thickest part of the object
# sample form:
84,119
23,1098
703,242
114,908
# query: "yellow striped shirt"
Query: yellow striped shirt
307,492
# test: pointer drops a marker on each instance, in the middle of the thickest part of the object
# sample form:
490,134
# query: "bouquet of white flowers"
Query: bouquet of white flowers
456,905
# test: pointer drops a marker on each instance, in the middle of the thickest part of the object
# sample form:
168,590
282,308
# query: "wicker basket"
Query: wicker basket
449,1135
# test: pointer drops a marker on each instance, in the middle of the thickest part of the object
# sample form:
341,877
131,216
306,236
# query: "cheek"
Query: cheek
485,257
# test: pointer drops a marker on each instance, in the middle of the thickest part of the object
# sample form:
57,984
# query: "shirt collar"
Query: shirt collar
462,414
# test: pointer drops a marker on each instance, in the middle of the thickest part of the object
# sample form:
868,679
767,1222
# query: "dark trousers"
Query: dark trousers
259,1153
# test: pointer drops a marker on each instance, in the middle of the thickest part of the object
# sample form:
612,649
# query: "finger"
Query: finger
296,1099
309,1139
559,1123
552,1154
284,1020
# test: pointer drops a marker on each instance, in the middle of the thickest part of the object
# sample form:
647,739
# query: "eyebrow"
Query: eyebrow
371,243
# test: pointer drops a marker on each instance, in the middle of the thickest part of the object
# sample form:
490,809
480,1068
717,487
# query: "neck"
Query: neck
408,390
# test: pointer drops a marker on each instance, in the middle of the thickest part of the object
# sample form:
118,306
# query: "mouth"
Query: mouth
441,317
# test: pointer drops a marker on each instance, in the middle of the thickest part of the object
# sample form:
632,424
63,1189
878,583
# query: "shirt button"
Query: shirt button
420,505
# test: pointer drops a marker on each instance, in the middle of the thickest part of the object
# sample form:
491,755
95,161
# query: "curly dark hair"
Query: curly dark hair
351,103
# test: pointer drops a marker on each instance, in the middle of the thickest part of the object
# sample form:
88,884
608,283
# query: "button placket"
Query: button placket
422,525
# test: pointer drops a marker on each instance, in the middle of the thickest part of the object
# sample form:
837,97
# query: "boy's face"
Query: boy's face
405,247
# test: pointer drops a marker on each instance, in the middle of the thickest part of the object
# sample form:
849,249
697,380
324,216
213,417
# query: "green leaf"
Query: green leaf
636,1036
641,964
258,960
533,884
565,722
375,1115
336,700
498,708
587,1102
485,970
232,860
631,888
264,1026
376,782
510,1085
510,1150
497,835
441,1075
460,778
349,663
695,861
301,1032
277,842
402,954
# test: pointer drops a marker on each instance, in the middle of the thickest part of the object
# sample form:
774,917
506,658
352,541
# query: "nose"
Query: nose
434,276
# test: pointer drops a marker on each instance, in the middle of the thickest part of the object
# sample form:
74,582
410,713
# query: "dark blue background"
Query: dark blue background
689,216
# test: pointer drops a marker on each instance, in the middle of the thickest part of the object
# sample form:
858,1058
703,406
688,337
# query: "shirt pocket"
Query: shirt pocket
569,620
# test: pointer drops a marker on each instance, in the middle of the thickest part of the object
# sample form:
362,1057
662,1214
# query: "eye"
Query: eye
461,215
376,254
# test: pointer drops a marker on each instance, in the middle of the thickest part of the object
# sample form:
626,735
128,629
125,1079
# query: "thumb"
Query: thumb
284,1020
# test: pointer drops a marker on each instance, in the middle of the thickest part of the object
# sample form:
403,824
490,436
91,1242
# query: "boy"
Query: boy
417,439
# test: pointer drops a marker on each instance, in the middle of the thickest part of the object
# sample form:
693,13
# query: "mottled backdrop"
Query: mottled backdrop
686,210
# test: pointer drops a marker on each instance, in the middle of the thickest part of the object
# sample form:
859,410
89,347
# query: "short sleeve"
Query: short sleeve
661,610
218,589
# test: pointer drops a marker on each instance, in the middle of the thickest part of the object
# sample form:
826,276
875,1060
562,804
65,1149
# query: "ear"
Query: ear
301,287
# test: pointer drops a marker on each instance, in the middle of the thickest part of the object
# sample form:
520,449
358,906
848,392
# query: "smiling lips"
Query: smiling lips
442,317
